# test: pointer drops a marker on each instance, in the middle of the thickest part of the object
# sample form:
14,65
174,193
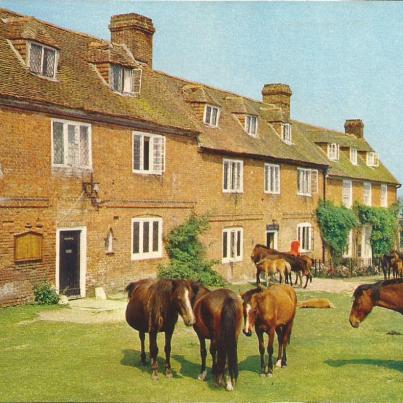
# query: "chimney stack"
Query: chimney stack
355,127
279,95
136,32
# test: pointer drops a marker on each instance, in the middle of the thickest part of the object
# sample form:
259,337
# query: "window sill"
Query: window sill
272,193
145,257
232,191
226,261
150,173
304,194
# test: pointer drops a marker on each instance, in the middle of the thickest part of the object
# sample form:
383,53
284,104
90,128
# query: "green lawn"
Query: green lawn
328,361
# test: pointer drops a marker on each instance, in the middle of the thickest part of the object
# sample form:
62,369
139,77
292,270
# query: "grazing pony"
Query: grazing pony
386,294
272,266
153,307
218,316
394,261
270,311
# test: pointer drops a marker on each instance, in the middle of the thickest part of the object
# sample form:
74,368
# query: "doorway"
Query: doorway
272,239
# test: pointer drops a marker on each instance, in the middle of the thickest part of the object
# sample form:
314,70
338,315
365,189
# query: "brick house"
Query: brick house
101,156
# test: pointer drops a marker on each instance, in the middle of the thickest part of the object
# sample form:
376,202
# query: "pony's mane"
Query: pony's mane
250,293
376,287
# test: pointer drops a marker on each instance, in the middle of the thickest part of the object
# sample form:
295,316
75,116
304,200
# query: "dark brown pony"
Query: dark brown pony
270,311
392,262
218,317
301,265
153,307
386,294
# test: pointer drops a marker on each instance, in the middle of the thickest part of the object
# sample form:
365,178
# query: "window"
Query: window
146,238
349,247
233,176
42,60
384,195
333,151
124,79
304,182
367,193
347,193
71,144
109,242
366,249
372,159
272,178
286,134
251,125
148,153
211,115
354,156
304,234
232,245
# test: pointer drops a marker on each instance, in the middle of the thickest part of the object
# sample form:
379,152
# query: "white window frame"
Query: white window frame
354,156
249,126
152,170
66,123
231,163
42,57
384,195
347,193
209,116
349,248
333,151
141,255
124,70
286,135
366,247
275,232
268,186
300,231
367,193
235,258
372,159
304,173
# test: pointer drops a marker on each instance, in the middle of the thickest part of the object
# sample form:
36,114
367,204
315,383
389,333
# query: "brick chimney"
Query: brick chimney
279,95
136,32
355,127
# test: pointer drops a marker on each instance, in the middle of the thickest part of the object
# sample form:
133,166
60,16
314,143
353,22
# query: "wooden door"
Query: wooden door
69,265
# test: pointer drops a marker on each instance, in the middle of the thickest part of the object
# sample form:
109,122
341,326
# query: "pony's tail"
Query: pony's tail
227,340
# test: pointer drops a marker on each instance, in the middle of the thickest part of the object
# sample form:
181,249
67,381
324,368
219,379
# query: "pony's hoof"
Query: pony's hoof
283,365
155,377
169,374
278,364
262,374
269,375
202,376
229,386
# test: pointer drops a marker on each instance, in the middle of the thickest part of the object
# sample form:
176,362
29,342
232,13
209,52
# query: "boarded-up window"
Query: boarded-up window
28,247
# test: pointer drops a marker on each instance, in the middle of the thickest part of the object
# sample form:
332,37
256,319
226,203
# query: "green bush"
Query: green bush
45,294
188,255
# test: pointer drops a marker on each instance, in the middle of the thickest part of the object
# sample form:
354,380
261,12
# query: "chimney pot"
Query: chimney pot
279,95
354,127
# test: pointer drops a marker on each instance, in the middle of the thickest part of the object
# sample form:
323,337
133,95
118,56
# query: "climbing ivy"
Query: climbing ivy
335,224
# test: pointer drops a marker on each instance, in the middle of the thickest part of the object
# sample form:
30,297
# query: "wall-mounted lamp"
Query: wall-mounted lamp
91,189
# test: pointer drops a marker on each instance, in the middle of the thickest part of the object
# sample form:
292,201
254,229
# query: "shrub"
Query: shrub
45,294
188,255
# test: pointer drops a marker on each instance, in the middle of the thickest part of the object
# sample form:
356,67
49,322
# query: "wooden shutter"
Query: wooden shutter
28,246
158,147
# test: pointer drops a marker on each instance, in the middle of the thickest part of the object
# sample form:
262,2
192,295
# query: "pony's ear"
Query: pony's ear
195,286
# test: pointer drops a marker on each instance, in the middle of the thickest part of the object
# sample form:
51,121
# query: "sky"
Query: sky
342,60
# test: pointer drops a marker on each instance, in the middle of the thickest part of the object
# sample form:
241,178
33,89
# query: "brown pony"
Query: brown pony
153,307
301,265
270,311
218,317
386,294
394,261
272,266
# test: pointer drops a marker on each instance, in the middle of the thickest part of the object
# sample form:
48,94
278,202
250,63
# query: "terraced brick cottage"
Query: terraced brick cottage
101,156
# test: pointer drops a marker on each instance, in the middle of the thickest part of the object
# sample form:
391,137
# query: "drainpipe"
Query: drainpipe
325,172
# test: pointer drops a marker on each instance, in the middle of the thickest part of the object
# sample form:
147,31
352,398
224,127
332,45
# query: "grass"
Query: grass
328,361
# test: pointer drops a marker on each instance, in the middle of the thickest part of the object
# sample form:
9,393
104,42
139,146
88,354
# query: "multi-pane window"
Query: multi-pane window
354,156
366,249
372,159
211,115
232,245
71,144
348,252
148,153
125,79
384,195
272,178
347,193
304,181
305,236
42,60
333,151
286,134
367,193
251,125
146,238
232,176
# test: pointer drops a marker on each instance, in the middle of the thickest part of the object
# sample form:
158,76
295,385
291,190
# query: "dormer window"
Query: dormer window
333,151
121,79
354,156
211,115
286,134
42,60
372,159
251,125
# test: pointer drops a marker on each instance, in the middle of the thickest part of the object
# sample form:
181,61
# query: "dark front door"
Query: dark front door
69,268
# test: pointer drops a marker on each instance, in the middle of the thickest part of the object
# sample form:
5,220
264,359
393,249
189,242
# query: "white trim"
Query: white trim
309,184
367,193
266,177
283,138
372,159
229,190
333,151
251,117
29,42
384,195
83,257
150,171
229,230
354,156
347,185
275,232
349,251
149,255
310,239
205,115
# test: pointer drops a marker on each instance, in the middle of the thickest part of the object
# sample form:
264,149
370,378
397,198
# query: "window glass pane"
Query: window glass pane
116,78
214,118
226,166
146,153
72,151
137,152
49,58
208,114
225,244
146,236
232,244
155,235
233,177
58,143
158,153
128,81
136,237
35,58
238,244
84,147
